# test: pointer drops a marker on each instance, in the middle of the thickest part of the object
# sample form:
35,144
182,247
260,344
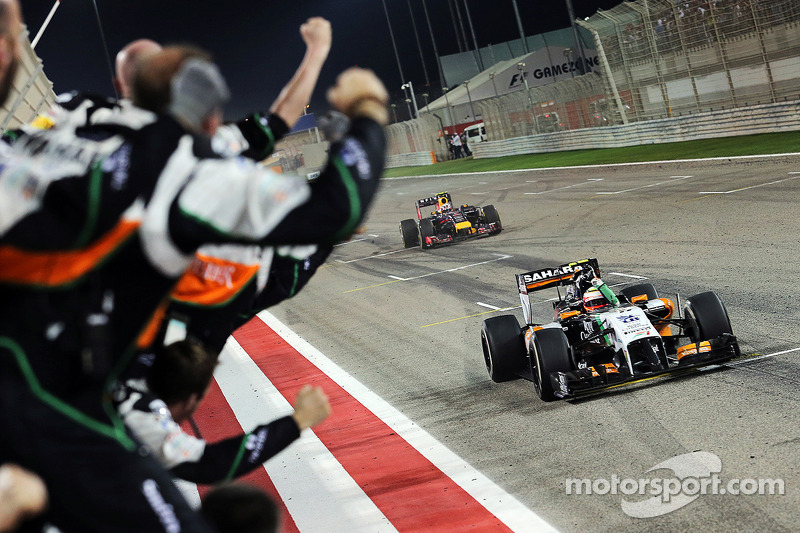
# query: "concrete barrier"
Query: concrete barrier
767,118
412,159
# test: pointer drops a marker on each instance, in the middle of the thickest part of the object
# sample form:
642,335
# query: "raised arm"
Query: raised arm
255,136
294,97
252,204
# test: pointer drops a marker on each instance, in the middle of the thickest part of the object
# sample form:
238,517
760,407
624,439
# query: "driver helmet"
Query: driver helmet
593,299
444,204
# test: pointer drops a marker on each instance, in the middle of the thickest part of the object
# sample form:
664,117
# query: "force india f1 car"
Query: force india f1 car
448,223
599,338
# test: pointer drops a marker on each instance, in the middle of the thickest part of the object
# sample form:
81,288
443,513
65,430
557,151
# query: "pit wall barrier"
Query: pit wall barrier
767,118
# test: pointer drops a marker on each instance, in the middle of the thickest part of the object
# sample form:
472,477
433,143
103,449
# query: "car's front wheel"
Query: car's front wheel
707,316
425,230
503,347
550,354
490,215
409,232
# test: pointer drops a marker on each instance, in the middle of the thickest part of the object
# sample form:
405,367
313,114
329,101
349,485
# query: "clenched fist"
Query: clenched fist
316,33
310,407
359,92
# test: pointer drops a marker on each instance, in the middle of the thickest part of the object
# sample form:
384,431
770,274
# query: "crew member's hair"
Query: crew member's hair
152,82
240,508
181,369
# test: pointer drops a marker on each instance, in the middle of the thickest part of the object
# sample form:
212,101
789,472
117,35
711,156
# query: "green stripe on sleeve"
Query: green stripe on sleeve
237,461
95,186
268,132
116,432
355,200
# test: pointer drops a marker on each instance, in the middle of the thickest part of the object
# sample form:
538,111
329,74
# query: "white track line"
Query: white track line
559,188
504,506
369,257
502,257
318,492
351,241
672,180
638,163
627,275
398,278
751,359
751,187
492,307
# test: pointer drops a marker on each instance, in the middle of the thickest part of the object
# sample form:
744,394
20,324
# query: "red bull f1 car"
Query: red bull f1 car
447,223
598,338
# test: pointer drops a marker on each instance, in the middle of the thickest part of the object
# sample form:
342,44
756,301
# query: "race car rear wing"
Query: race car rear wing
431,200
544,278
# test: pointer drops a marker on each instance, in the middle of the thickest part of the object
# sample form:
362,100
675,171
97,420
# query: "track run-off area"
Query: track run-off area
421,439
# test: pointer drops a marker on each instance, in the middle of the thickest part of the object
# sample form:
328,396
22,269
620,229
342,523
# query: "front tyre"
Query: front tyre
425,230
707,316
409,232
503,347
550,354
490,215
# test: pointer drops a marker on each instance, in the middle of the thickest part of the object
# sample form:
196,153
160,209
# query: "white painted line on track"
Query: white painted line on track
595,179
758,358
369,257
559,188
607,165
672,180
627,275
351,241
492,307
501,258
503,505
318,492
751,187
398,278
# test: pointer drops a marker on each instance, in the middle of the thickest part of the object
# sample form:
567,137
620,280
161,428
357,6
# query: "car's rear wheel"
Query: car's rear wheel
409,232
503,347
425,230
491,215
707,317
638,290
550,354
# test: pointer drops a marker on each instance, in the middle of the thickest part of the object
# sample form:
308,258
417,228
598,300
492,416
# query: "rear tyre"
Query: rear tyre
707,316
503,347
490,215
638,290
409,232
425,230
550,354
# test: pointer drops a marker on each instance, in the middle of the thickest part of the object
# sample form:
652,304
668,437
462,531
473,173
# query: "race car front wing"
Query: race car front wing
596,378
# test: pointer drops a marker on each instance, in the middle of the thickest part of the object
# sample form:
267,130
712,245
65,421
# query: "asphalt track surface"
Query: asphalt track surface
406,324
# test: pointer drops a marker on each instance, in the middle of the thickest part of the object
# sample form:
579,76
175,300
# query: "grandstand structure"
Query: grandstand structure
31,93
658,60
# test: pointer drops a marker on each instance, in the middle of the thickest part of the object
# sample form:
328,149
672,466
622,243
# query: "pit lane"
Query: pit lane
406,324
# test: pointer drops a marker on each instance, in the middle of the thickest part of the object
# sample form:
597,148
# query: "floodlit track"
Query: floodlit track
405,324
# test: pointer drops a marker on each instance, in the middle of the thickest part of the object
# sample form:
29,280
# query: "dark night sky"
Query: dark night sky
257,44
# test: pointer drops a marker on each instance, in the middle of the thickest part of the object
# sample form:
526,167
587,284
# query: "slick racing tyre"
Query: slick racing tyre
638,290
550,354
707,316
409,232
425,230
490,215
503,347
